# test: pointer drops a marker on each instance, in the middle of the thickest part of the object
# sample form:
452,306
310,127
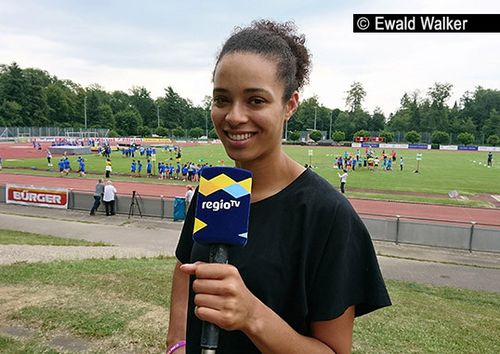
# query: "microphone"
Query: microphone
221,220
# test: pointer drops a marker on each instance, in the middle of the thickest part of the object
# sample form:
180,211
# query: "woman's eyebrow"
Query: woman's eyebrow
248,90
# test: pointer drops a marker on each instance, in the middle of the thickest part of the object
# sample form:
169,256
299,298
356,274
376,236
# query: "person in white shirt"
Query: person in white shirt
109,198
188,196
343,180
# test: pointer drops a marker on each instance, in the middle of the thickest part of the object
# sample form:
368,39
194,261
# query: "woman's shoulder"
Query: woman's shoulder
310,190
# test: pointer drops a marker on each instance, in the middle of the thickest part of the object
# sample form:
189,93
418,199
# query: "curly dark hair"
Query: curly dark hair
279,42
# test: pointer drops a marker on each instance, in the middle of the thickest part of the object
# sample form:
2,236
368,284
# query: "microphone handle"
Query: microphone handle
209,332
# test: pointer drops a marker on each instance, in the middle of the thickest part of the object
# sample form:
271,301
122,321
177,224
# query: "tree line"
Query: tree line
33,98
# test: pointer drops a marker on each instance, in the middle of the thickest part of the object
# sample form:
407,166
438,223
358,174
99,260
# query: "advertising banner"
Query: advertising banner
489,148
36,196
467,148
448,147
419,146
370,145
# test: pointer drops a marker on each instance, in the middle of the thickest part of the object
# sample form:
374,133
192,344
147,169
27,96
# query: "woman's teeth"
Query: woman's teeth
239,137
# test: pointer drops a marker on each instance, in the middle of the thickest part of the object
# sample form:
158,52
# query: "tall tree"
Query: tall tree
141,99
119,101
377,120
355,97
435,109
128,122
173,109
93,103
57,102
345,124
492,124
479,104
13,97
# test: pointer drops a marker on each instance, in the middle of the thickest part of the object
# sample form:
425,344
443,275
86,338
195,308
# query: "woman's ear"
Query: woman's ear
292,105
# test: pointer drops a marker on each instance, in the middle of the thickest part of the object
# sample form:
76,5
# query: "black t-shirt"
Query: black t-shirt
308,257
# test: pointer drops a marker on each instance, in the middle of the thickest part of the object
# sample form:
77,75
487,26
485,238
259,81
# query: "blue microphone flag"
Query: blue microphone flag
223,206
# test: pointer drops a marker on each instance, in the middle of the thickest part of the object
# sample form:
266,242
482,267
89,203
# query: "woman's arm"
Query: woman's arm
178,307
223,299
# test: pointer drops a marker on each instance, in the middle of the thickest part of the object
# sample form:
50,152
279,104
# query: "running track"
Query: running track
362,206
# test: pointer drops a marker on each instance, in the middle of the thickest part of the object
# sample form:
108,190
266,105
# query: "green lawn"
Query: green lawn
440,171
10,237
120,305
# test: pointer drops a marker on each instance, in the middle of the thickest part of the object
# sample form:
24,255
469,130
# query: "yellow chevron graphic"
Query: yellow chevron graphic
247,184
207,187
222,181
198,225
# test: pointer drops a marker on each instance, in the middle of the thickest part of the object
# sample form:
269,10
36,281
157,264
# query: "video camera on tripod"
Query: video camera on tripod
134,201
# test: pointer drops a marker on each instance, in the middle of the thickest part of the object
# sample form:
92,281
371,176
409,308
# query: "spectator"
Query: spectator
343,180
189,195
99,191
109,198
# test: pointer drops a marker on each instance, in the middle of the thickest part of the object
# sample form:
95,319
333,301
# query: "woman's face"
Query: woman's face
247,110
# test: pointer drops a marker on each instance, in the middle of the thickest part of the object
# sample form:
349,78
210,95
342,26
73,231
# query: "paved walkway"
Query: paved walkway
138,237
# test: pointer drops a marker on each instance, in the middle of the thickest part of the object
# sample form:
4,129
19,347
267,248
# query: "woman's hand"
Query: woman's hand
221,296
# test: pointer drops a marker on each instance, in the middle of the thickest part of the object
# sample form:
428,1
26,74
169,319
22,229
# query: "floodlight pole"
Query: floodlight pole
206,124
158,114
315,116
85,110
330,131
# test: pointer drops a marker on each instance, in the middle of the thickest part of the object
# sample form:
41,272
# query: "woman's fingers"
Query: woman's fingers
209,270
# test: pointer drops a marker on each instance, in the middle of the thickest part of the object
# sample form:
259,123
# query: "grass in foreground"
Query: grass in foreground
11,346
118,305
11,237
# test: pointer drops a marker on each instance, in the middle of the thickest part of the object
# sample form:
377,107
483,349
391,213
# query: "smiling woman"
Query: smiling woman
309,266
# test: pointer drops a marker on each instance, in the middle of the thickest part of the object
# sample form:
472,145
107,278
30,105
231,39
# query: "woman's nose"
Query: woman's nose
236,115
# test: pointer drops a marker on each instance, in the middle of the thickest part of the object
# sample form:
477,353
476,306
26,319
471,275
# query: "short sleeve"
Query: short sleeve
185,244
348,272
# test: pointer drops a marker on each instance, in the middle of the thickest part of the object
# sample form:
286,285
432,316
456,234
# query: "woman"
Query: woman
309,267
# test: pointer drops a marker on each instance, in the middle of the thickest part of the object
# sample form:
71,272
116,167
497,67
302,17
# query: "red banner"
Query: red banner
37,196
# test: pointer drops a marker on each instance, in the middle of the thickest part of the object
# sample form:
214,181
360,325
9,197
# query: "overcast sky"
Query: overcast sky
155,44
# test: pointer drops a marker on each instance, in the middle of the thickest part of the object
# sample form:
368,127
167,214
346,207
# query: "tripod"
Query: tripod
133,203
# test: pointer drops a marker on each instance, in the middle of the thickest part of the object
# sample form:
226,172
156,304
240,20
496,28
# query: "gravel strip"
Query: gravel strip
10,254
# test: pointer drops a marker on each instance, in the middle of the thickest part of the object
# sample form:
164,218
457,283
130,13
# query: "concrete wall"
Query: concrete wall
2,194
418,232
154,207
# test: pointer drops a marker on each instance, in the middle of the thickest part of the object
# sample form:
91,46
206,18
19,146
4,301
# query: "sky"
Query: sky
161,43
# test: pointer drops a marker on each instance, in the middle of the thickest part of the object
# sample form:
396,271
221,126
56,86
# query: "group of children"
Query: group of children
370,160
186,172
65,165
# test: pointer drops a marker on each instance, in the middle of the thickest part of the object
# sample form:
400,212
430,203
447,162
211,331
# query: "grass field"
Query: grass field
10,237
440,171
116,306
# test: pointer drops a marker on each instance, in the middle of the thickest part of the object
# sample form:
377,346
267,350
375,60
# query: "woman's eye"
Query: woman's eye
219,100
257,101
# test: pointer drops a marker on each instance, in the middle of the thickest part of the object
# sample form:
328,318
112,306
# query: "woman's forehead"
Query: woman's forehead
250,70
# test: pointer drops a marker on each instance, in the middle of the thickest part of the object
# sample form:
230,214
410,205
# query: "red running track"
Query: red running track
366,207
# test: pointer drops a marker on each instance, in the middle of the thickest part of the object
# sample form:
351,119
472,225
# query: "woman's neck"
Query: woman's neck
270,178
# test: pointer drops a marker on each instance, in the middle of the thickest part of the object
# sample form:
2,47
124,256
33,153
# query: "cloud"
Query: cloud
120,44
